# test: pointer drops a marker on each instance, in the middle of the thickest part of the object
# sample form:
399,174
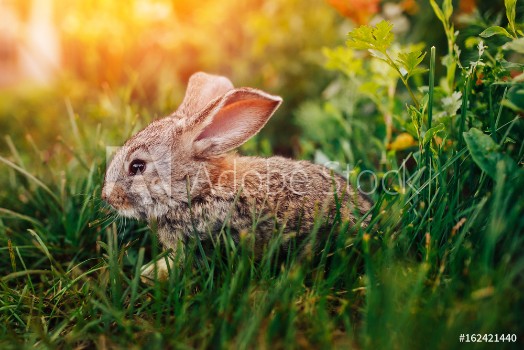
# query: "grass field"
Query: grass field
443,255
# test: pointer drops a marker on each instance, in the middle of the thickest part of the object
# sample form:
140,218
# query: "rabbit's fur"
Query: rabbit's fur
193,185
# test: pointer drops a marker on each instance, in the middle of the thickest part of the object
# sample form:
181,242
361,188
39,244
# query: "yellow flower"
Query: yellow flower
402,141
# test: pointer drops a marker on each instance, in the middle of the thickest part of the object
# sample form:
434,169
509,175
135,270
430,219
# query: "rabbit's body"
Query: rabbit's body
272,193
178,172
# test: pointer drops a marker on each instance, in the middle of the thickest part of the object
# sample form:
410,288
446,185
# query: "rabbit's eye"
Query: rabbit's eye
137,166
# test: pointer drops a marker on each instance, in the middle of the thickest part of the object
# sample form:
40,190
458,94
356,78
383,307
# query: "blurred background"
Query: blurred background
98,57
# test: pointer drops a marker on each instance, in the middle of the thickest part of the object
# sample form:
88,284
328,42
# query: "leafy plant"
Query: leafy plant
378,41
485,153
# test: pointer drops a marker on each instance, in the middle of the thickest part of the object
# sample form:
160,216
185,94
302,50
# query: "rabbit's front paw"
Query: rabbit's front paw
147,273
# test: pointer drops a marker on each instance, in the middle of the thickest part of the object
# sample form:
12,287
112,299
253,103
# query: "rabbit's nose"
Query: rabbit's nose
114,194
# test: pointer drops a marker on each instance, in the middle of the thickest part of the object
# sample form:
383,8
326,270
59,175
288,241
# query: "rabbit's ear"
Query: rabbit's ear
202,89
228,122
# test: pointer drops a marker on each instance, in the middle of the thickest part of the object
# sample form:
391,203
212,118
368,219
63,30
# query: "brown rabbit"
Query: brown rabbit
178,172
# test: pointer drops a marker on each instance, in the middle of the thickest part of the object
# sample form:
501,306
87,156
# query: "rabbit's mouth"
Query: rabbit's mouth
125,210
152,212
116,197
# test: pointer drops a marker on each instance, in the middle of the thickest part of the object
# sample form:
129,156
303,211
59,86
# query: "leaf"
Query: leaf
443,14
430,133
342,59
485,153
510,12
361,38
416,118
515,98
366,37
437,11
495,30
516,45
512,106
410,62
383,34
447,8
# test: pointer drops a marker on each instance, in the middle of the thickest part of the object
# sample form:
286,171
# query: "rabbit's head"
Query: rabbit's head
149,175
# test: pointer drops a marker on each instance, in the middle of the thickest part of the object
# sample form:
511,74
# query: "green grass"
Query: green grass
441,258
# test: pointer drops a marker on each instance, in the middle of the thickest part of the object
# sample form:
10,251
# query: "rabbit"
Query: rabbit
182,173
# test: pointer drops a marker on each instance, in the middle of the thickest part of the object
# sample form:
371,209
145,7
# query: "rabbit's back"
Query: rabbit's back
266,194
